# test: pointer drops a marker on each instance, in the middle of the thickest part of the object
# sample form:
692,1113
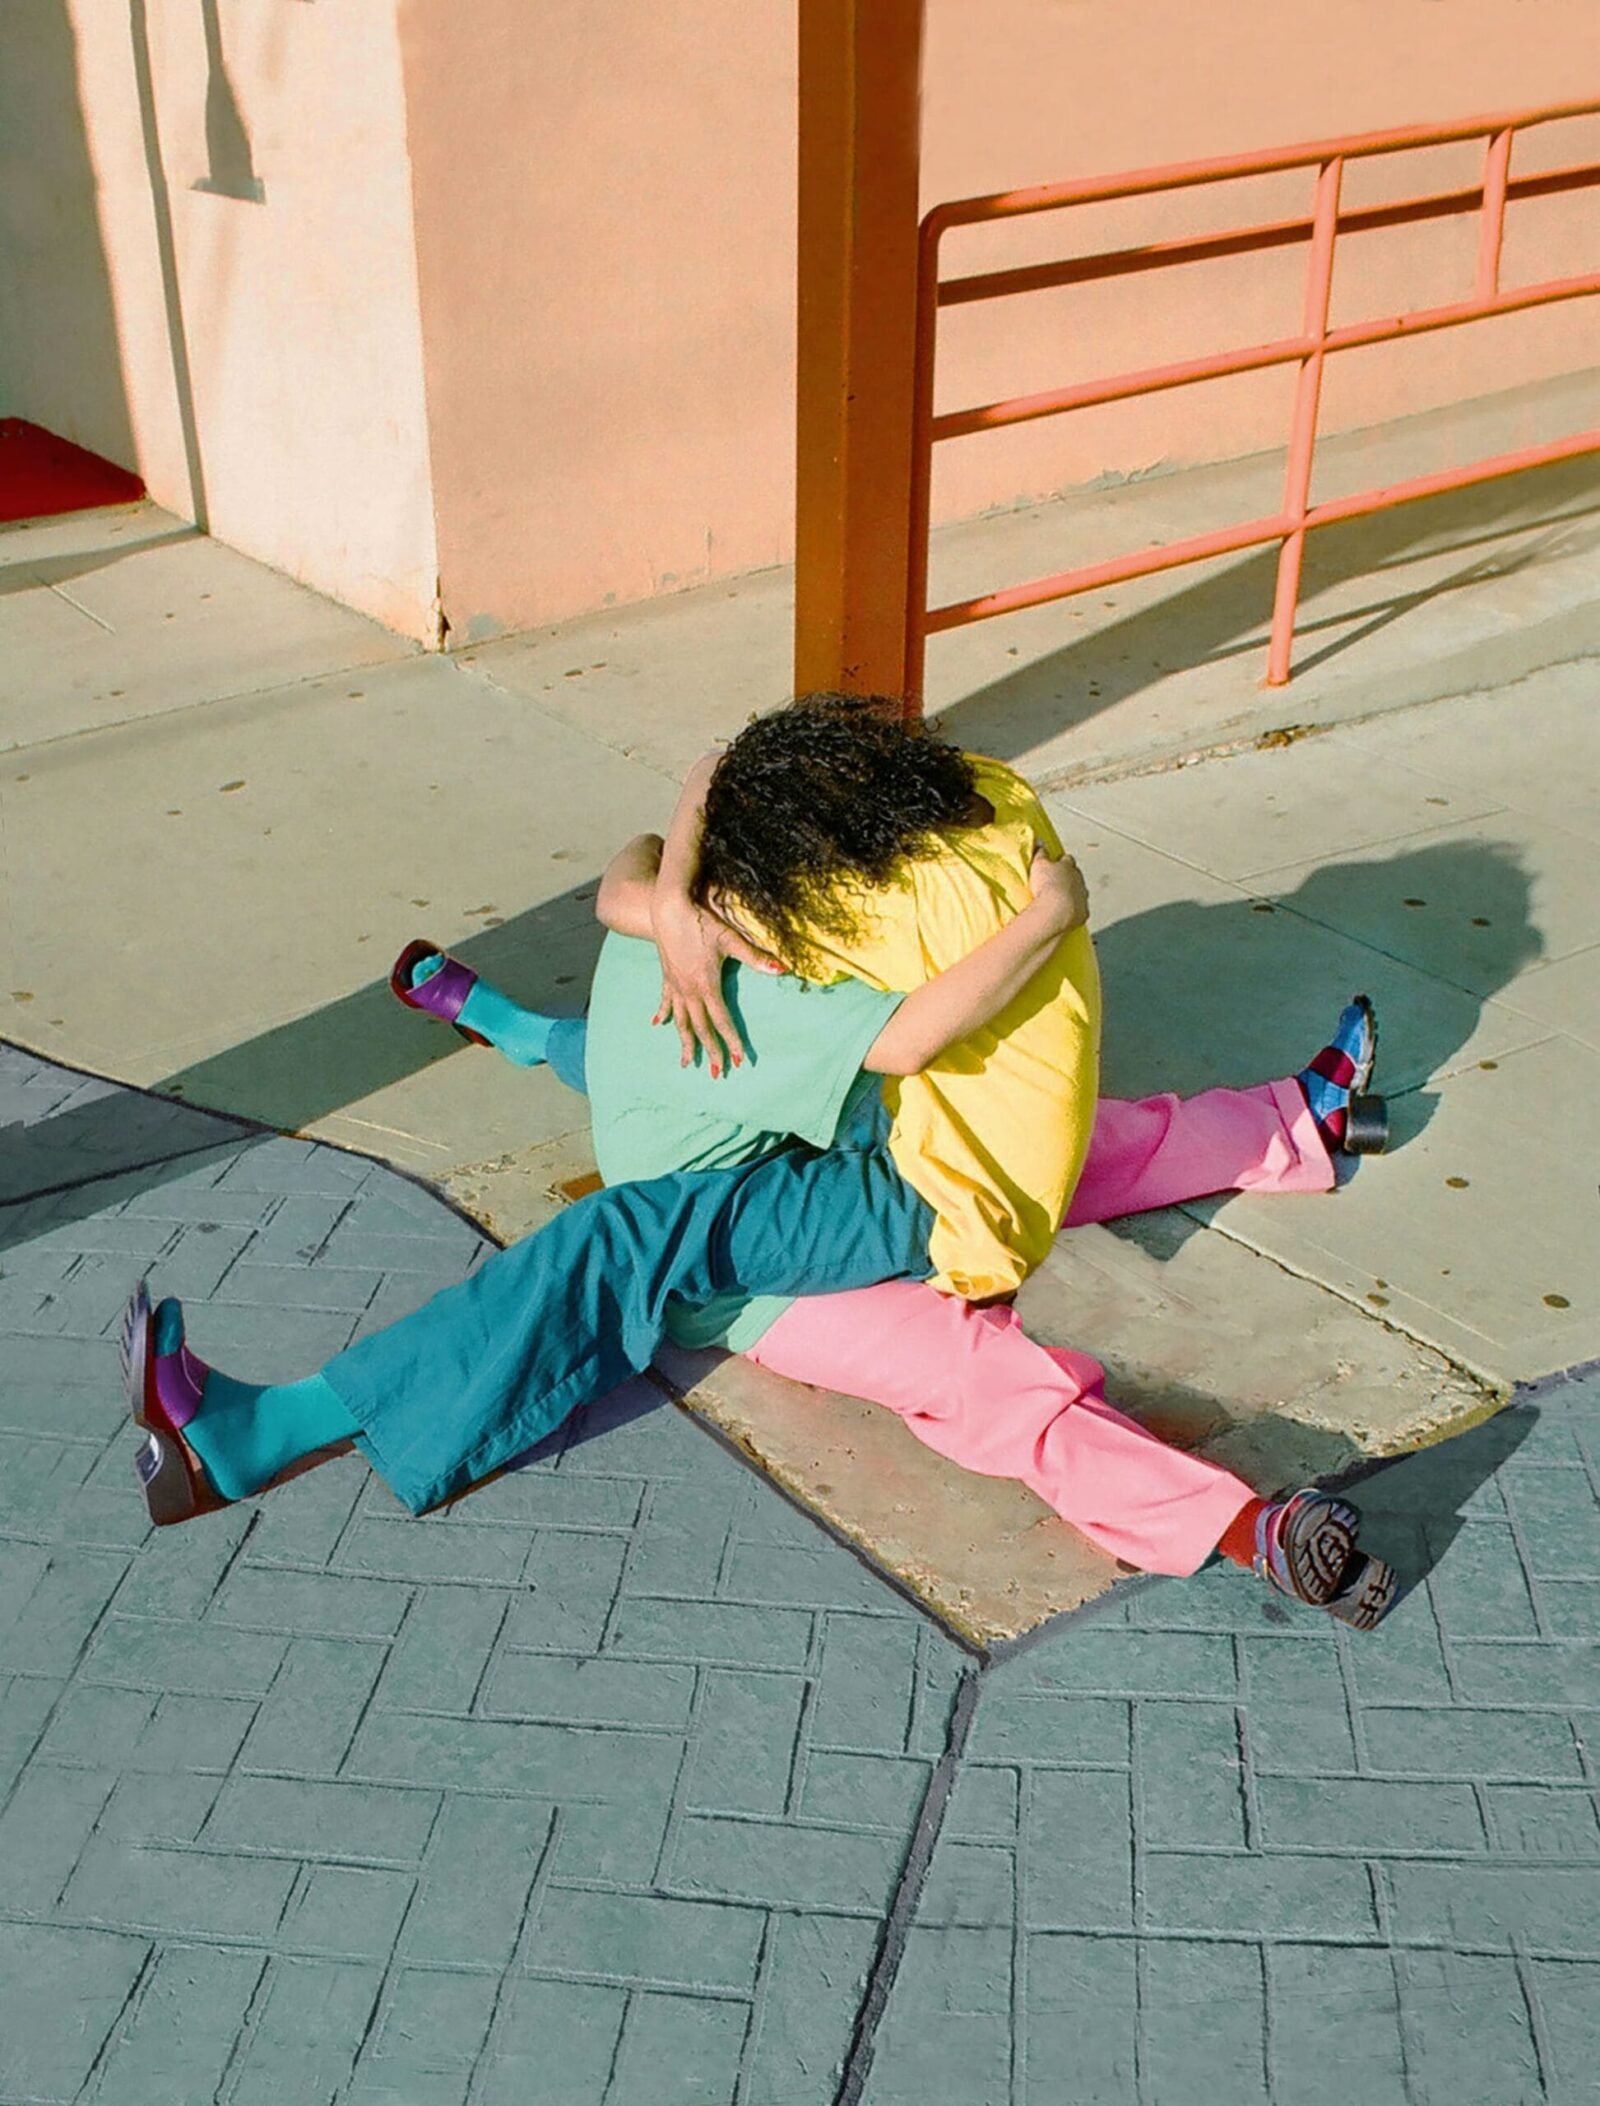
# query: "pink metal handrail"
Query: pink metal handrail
1309,348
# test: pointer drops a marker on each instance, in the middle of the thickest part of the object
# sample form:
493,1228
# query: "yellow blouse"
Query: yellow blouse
993,1134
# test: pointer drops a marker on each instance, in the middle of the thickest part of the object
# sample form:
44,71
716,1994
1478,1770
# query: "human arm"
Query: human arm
628,887
694,942
974,990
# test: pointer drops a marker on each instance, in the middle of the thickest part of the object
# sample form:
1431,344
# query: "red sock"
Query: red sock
1238,1542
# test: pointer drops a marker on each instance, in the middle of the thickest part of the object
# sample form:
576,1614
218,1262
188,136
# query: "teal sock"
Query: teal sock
246,1432
522,1035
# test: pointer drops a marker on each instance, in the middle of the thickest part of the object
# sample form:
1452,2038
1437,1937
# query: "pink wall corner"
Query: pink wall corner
263,353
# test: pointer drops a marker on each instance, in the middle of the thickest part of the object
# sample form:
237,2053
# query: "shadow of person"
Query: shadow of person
1200,993
1204,994
1414,1507
59,1161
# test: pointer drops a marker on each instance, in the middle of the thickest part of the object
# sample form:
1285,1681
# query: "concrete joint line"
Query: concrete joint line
908,1892
184,709
470,668
1493,1386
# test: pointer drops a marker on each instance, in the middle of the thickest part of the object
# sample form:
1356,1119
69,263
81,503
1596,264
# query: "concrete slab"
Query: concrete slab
1271,810
1478,1233
659,682
1565,996
1267,1372
109,617
283,846
1534,744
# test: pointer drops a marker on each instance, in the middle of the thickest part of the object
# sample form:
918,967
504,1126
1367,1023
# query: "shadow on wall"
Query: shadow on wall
60,360
1226,614
230,168
167,260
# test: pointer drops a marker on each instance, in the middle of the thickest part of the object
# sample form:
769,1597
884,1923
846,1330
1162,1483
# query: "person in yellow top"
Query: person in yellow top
845,846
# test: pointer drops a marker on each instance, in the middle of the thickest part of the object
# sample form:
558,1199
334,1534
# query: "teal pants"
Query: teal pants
487,1368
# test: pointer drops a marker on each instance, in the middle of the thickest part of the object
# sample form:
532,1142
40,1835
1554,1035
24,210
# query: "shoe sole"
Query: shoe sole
1318,1544
1367,1596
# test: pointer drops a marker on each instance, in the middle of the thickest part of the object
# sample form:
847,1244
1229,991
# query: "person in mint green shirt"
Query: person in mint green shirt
806,1076
787,1195
771,1181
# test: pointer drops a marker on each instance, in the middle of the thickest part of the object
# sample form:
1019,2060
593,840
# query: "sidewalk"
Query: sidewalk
624,1781
228,804
619,1783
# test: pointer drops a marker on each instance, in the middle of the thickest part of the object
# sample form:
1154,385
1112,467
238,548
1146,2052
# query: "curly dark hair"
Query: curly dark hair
818,801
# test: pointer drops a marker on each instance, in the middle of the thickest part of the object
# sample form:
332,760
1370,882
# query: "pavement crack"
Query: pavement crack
903,1907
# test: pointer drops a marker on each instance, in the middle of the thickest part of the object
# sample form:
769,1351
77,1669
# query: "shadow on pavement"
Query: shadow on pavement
1227,612
335,1056
1412,1509
56,1164
1188,984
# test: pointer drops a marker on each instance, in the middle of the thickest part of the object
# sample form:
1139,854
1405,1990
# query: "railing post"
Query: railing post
921,497
1303,429
1492,217
860,144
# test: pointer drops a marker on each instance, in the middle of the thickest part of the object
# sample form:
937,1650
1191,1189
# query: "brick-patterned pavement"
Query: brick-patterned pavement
620,1782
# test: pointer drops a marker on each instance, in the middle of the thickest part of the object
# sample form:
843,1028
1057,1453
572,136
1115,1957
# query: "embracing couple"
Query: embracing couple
878,1108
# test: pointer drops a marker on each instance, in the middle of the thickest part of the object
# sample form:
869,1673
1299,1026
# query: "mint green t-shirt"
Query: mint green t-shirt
801,1079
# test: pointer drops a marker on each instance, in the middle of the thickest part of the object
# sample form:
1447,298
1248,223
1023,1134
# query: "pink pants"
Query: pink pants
972,1384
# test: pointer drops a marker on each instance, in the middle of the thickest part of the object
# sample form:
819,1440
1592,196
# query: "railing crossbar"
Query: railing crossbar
1308,349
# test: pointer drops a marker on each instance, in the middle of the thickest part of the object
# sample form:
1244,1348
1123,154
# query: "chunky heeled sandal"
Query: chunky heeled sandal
163,1391
442,993
1366,1118
1305,1544
1371,1589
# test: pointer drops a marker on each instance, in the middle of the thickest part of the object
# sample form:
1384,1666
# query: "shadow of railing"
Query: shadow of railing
1224,614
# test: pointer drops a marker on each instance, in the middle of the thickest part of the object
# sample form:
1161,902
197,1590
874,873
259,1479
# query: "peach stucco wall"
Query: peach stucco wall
508,334
605,235
605,227
258,362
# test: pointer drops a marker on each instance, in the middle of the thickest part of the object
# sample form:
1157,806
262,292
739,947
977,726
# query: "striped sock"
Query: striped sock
1341,1070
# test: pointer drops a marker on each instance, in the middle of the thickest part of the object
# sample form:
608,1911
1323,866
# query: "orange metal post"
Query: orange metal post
1491,224
1303,430
860,142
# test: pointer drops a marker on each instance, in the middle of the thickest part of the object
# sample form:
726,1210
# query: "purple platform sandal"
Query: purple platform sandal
163,1391
442,994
